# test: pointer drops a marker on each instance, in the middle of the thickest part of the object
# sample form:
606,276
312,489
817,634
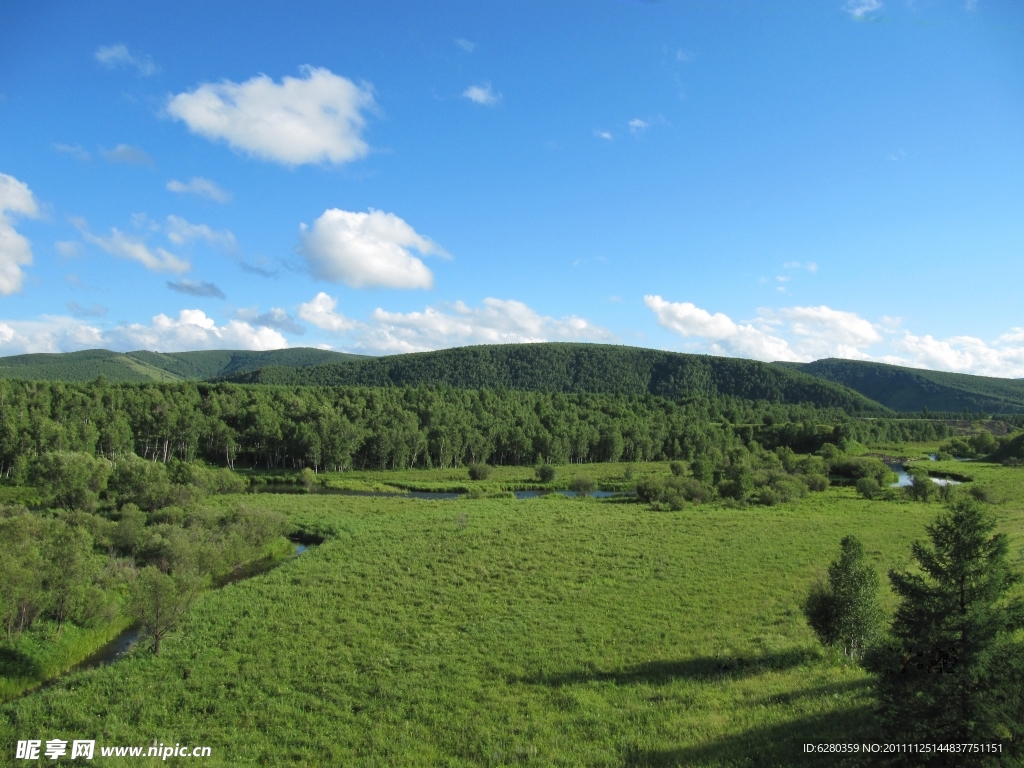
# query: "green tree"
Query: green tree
845,611
479,471
545,473
71,480
955,667
158,601
868,487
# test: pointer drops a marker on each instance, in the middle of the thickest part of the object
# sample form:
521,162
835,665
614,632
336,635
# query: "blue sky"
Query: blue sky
770,180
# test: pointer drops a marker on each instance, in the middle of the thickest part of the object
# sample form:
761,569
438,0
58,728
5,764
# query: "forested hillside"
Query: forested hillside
576,368
396,427
913,389
156,366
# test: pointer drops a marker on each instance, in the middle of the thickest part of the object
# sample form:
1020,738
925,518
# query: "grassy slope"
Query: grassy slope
155,366
911,389
576,368
550,631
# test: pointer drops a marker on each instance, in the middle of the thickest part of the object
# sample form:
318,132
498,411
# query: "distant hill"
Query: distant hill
912,389
564,367
156,366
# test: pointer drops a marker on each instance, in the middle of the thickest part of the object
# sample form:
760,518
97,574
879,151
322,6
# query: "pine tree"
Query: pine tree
955,671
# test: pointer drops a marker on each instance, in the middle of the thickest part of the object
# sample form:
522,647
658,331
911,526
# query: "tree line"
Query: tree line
339,428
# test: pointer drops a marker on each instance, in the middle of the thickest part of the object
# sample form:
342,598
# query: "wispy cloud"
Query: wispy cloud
606,135
127,247
275,318
76,309
636,125
182,232
465,44
118,55
197,185
127,154
196,288
74,150
861,8
482,94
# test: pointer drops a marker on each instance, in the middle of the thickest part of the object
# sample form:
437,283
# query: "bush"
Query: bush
70,480
141,482
677,467
545,473
816,483
583,486
943,456
868,487
479,471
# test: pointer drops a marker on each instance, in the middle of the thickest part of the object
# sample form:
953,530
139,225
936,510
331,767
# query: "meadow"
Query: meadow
494,631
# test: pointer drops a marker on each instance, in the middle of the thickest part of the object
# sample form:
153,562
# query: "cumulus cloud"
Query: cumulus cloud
320,311
482,94
118,55
498,321
861,8
811,333
310,119
181,232
16,199
197,185
196,288
192,329
128,247
365,250
126,154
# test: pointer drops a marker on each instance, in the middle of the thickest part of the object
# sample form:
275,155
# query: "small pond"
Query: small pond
903,479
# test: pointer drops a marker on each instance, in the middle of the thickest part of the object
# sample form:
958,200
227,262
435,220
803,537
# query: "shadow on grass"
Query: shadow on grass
781,744
664,672
14,663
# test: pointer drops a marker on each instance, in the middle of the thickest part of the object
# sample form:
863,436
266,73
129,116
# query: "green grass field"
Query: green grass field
549,631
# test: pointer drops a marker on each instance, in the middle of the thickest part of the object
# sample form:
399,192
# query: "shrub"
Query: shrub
816,482
868,487
583,486
72,480
677,467
308,478
943,456
545,473
479,471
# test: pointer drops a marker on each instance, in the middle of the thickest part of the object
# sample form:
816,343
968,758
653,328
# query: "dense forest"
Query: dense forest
337,428
914,389
576,368
143,366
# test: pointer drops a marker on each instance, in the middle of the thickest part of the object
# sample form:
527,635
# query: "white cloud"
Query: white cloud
181,232
48,334
320,311
96,310
365,250
127,247
197,185
115,55
812,333
606,135
15,251
192,329
498,321
127,154
311,119
465,44
861,8
636,125
482,94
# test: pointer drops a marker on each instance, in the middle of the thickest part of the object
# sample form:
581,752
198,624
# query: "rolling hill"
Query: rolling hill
566,367
156,366
912,389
